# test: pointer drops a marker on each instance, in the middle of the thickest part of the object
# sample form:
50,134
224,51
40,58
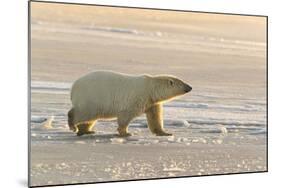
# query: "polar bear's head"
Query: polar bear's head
168,87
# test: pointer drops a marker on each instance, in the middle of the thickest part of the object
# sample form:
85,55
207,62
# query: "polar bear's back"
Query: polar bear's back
105,90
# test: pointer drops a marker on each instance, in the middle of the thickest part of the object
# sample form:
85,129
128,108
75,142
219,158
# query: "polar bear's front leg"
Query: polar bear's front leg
155,120
123,123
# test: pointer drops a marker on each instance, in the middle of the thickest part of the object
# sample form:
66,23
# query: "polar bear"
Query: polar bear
112,95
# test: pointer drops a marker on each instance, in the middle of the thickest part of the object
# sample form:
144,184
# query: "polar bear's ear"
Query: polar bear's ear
171,82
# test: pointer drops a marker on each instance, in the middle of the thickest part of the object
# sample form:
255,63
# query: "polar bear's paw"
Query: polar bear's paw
125,134
80,133
163,134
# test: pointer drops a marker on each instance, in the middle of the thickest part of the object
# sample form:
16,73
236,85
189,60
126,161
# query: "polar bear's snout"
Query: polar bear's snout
187,88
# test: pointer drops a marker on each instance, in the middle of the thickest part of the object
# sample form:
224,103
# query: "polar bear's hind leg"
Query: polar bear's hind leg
70,116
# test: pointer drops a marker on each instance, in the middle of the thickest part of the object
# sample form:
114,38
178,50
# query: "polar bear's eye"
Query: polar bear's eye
171,82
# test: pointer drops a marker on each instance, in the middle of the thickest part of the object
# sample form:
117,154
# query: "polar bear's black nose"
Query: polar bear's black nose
187,88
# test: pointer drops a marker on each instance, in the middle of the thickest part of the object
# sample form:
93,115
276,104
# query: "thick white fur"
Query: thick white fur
107,95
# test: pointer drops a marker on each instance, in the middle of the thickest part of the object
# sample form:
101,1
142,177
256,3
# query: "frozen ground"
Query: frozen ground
209,138
220,127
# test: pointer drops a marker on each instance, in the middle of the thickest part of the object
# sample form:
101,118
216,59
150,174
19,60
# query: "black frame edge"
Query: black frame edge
29,93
